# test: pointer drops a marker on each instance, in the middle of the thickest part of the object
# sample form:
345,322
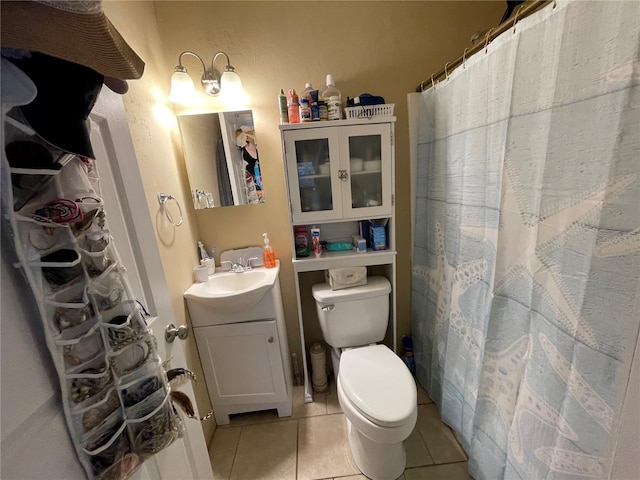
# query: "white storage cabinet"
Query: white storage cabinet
339,173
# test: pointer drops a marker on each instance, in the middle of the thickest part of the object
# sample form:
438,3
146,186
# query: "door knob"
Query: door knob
171,332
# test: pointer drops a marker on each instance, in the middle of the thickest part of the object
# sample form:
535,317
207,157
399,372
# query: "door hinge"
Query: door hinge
392,139
393,199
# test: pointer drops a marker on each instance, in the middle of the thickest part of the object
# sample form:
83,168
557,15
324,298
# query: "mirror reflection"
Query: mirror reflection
221,156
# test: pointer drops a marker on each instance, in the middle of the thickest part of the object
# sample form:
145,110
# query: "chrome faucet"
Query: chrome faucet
239,267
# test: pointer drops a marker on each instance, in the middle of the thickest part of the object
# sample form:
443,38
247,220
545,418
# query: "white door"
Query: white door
130,223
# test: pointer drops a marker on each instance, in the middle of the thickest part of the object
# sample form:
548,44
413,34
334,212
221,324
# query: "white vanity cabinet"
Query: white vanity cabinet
340,173
243,366
243,347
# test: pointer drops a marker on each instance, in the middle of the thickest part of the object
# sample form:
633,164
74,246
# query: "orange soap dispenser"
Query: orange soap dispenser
268,257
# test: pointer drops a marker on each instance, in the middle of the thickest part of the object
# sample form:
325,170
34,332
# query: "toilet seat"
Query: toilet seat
378,384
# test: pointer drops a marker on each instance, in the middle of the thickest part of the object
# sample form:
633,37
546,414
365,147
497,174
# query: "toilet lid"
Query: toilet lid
378,384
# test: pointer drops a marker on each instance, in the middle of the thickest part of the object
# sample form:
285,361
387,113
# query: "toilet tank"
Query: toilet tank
353,316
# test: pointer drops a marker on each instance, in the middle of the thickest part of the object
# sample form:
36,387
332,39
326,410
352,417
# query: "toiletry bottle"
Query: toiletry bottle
282,103
302,241
315,239
306,93
305,110
293,107
268,257
203,252
328,93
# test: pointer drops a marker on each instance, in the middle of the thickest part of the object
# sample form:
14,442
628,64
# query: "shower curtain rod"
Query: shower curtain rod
523,11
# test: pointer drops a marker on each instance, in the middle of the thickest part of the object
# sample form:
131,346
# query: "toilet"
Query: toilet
375,388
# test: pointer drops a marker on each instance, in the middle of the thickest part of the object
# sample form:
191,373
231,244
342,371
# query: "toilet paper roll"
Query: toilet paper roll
319,367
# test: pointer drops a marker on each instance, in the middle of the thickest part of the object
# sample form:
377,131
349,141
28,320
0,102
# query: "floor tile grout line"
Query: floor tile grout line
235,454
297,444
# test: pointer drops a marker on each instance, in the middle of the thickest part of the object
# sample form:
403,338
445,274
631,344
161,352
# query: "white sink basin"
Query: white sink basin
229,291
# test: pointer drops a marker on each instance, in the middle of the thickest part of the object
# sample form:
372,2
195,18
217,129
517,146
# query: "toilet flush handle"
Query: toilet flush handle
329,308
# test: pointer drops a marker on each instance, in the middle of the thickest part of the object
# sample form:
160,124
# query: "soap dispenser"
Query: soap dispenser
268,256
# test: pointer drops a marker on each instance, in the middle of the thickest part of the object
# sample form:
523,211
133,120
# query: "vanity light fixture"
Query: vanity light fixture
226,84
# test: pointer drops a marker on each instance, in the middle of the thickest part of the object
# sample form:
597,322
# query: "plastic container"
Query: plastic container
315,240
333,109
282,105
268,256
306,93
293,107
333,97
305,110
302,241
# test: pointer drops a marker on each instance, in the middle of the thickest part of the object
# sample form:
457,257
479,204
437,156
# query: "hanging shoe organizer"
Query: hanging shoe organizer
115,392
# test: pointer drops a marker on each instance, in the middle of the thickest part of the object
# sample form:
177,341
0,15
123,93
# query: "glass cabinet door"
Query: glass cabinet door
366,154
313,170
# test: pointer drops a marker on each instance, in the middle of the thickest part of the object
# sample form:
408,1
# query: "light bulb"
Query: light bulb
232,92
182,89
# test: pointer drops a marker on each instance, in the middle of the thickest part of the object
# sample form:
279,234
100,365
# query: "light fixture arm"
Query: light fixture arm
211,78
228,68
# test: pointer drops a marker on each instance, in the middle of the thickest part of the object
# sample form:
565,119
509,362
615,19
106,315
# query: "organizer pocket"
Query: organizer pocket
97,254
141,384
108,451
60,267
108,289
146,406
68,308
80,345
90,381
94,411
155,431
124,325
40,236
133,356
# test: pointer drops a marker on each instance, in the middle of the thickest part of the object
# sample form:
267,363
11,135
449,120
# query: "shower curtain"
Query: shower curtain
526,256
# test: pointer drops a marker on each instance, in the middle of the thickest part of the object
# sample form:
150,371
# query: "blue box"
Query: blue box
375,233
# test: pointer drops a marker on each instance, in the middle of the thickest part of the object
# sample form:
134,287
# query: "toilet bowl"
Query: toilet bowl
379,399
375,388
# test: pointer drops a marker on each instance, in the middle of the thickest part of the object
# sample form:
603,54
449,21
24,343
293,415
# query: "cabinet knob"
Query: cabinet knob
270,340
171,332
343,175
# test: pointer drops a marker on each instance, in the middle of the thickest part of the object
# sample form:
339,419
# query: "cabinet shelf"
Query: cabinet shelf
349,258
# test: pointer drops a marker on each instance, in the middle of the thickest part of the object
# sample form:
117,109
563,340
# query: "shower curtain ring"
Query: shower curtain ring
446,73
486,41
554,4
432,83
515,18
464,57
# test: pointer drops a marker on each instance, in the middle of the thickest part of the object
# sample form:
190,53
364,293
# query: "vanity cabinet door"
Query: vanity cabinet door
242,363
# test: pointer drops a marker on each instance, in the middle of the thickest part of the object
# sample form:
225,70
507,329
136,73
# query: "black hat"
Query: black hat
67,92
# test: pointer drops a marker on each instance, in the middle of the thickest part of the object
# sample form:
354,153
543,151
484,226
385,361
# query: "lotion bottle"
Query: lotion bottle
282,103
268,256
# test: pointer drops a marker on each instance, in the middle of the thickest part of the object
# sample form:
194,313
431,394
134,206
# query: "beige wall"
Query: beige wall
154,132
384,48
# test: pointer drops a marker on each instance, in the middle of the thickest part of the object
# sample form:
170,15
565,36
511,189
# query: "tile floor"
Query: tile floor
312,445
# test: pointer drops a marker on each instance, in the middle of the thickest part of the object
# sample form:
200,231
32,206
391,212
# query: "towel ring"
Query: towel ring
162,199
486,41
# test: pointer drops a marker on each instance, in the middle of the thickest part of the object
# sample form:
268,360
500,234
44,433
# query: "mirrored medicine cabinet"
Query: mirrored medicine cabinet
221,156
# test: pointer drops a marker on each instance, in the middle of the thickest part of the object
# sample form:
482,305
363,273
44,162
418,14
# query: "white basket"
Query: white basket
369,111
